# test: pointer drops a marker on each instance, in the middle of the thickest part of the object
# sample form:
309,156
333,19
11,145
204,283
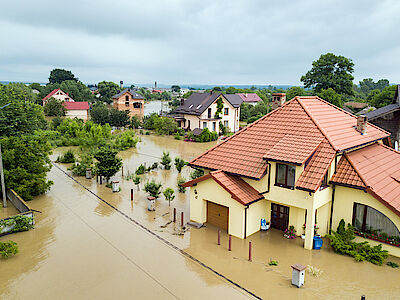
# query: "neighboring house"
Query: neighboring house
78,110
73,109
355,106
128,99
250,98
59,95
198,111
388,117
307,162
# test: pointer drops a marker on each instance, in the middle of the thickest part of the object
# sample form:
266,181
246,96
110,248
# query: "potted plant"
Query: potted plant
316,230
303,236
290,233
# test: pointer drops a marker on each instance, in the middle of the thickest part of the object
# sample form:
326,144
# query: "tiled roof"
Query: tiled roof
314,172
51,94
131,92
239,189
378,166
356,105
197,103
382,111
76,105
283,150
337,125
249,97
346,175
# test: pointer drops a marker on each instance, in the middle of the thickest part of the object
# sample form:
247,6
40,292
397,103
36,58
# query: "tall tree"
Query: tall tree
331,96
295,91
54,107
380,99
119,118
76,89
60,75
100,113
330,71
176,88
108,164
107,89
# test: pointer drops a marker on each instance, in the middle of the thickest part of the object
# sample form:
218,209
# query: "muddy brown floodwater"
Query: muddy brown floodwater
83,248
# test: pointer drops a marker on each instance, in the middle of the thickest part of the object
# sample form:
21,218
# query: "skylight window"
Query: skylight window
191,105
198,106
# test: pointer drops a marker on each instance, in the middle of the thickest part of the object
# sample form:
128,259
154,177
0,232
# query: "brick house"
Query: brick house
128,99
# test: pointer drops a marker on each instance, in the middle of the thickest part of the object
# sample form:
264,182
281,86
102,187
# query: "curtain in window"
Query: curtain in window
379,222
281,173
291,175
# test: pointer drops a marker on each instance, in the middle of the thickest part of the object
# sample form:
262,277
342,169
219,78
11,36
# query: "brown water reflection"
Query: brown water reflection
83,248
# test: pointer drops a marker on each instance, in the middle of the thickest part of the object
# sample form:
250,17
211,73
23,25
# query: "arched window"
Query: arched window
369,220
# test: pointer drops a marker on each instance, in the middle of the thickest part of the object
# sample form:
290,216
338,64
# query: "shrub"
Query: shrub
140,170
67,157
79,168
179,164
197,173
177,137
125,140
342,243
8,249
392,264
165,126
20,223
169,195
154,165
206,136
137,180
179,183
273,262
153,188
166,160
147,133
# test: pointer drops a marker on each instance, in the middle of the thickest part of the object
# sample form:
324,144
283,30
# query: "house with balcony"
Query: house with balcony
201,111
131,101
308,163
73,109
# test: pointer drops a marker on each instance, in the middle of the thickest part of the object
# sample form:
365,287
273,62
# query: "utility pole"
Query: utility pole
3,186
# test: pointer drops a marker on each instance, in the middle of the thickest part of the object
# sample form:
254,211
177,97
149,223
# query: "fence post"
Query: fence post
250,249
230,243
219,237
122,169
174,214
101,179
131,194
181,219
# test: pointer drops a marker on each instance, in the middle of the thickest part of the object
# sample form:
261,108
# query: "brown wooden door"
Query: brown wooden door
217,215
279,216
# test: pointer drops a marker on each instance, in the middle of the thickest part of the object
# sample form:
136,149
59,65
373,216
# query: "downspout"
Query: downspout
269,179
333,202
245,221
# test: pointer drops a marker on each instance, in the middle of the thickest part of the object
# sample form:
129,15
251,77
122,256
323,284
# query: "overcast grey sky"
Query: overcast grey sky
190,41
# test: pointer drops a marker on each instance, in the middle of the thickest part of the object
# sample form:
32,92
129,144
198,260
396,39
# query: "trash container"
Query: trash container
317,243
115,186
264,225
88,173
298,272
152,203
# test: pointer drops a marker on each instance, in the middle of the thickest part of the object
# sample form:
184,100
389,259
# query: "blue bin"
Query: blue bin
317,243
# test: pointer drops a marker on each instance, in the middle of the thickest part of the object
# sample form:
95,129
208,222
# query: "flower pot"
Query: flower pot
303,236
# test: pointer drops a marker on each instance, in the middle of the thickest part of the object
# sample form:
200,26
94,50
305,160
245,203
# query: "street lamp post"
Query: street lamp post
3,186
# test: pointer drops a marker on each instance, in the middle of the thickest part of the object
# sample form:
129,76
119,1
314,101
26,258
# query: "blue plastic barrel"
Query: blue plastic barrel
317,243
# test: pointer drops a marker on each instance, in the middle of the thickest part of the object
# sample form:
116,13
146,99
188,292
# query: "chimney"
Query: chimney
245,95
121,83
278,99
362,124
182,101
155,85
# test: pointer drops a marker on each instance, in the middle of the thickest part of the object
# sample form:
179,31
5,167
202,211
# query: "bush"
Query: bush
125,140
8,249
153,188
342,243
154,165
140,170
206,136
20,223
67,157
79,168
166,160
147,133
165,126
179,183
136,180
197,173
179,164
169,195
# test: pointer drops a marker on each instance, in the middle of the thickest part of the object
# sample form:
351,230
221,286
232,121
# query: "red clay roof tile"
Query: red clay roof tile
345,174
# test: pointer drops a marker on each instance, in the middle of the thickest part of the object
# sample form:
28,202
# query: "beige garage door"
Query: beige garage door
217,215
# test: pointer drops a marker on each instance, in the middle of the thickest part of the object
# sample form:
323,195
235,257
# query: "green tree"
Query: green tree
179,183
166,160
330,71
179,164
136,122
136,181
75,89
295,91
119,118
187,95
166,96
100,113
108,164
35,86
153,188
169,195
331,96
60,75
383,98
164,125
26,163
176,88
220,106
217,89
54,107
231,90
107,89
367,85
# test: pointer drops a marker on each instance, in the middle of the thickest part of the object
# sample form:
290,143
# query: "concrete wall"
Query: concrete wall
255,213
343,209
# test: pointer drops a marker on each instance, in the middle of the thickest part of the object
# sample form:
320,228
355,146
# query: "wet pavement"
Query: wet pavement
84,248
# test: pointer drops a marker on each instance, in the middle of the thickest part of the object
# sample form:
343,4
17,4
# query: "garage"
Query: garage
217,215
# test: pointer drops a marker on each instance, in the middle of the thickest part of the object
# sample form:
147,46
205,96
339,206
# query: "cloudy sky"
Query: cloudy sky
190,41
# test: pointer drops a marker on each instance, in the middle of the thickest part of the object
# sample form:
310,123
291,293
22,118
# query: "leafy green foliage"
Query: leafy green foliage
108,164
250,113
187,95
331,96
273,263
296,91
75,89
60,75
197,173
54,107
392,264
165,126
166,160
330,71
119,118
179,183
383,98
169,195
136,180
125,140
136,122
179,164
220,106
153,188
107,89
100,113
342,243
176,88
67,157
8,249
206,136
140,170
19,223
86,162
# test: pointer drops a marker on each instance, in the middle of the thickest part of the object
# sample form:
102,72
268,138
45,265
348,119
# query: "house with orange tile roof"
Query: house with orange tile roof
131,101
308,163
200,110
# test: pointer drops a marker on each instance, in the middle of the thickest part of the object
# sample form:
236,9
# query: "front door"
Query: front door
279,216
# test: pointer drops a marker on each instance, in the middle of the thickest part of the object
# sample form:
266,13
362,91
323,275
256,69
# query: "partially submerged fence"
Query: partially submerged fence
21,222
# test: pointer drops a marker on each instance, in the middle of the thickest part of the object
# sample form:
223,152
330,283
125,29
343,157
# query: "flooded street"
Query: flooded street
84,247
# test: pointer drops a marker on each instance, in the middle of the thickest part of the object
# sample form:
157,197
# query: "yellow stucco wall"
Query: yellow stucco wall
343,209
255,212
